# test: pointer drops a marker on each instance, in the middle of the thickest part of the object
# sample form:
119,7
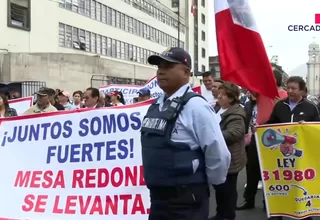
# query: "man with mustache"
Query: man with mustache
183,149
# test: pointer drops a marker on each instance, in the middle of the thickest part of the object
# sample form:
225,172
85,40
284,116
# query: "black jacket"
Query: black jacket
304,111
248,108
58,106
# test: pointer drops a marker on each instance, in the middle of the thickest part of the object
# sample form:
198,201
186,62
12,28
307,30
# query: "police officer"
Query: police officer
182,145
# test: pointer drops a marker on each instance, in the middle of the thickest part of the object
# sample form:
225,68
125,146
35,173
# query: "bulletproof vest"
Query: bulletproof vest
168,163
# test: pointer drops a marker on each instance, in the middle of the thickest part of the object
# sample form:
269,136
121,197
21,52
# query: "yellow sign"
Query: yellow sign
290,161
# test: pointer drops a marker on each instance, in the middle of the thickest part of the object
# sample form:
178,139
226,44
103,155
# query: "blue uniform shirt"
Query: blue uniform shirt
196,126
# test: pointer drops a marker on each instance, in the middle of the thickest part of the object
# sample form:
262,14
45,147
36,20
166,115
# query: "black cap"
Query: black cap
172,55
45,91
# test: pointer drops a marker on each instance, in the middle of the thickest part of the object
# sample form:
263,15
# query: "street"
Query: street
253,214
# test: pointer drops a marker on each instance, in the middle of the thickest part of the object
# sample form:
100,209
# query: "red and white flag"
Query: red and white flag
242,55
197,89
194,8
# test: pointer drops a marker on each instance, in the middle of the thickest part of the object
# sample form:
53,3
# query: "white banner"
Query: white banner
129,91
21,104
154,88
82,165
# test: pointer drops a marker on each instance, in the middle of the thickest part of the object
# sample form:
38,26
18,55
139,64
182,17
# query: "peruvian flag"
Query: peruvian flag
242,56
194,8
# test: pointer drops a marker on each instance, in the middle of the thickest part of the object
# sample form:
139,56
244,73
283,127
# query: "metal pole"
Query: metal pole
178,23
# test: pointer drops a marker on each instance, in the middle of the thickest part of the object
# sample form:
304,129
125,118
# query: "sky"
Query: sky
273,18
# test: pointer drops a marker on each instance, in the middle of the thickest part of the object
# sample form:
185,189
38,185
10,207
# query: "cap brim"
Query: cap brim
143,94
157,59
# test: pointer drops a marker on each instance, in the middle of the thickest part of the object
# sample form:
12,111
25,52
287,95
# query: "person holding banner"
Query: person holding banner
44,96
293,109
182,145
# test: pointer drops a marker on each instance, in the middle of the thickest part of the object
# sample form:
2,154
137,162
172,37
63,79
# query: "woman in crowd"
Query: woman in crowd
5,110
77,99
117,98
233,129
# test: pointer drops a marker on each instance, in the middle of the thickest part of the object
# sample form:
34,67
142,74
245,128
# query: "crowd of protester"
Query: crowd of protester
236,110
50,100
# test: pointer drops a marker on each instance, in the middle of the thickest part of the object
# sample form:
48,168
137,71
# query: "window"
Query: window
134,53
69,36
203,3
203,68
182,45
109,16
122,51
62,35
118,49
82,39
203,19
104,46
203,35
142,55
109,47
122,21
75,38
93,43
113,48
126,20
113,17
203,52
134,25
104,14
101,12
98,11
19,14
68,4
99,44
118,17
130,52
87,7
138,55
88,41
126,51
75,5
130,25
82,7
141,29
93,9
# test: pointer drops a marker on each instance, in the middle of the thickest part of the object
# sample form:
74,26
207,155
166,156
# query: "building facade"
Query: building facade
214,66
120,34
313,73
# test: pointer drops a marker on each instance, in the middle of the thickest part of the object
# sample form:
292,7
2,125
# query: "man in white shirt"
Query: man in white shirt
183,149
206,88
